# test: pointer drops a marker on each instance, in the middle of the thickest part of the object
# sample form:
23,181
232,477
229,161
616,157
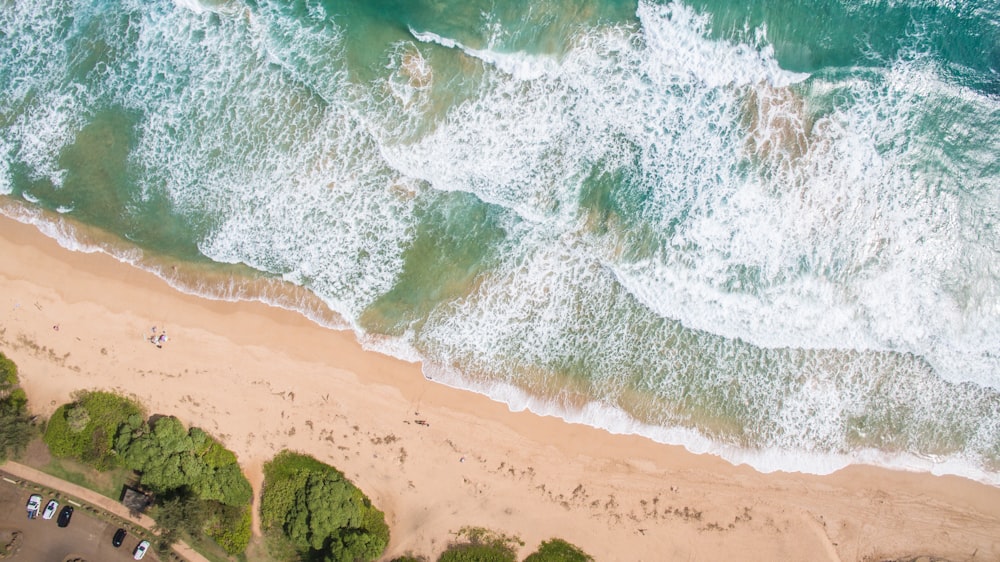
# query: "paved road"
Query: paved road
86,536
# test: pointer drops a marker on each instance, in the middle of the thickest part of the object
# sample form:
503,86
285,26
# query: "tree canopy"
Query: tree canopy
15,424
198,482
321,513
86,429
169,457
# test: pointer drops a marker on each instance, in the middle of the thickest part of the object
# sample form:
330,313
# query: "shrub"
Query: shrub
476,544
477,553
87,428
230,527
77,418
199,483
16,429
175,515
62,441
170,457
558,550
319,511
8,372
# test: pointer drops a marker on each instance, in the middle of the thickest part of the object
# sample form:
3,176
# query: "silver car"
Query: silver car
140,550
50,509
34,504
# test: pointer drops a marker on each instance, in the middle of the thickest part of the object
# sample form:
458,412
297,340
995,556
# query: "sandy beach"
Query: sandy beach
263,379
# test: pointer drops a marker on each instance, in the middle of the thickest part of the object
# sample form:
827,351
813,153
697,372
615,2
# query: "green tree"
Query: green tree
204,489
229,526
169,457
176,515
330,514
16,429
86,429
199,483
558,550
320,512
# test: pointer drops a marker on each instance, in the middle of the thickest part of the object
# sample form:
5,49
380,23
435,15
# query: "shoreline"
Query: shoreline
233,284
263,379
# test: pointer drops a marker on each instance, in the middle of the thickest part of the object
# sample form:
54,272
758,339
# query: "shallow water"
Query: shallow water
767,231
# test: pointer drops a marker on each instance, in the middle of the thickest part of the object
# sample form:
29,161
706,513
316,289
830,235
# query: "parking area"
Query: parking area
87,537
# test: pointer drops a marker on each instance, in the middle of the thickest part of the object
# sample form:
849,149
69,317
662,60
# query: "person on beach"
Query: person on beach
159,340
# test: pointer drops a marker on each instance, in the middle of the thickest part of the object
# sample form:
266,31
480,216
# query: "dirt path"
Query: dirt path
255,475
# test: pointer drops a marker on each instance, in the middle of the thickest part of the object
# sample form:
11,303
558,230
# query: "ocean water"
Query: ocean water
767,230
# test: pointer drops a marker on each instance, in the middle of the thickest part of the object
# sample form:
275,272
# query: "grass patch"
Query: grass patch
108,483
210,549
277,546
478,544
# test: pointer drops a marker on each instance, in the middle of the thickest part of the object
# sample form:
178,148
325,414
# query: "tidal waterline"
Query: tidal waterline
737,228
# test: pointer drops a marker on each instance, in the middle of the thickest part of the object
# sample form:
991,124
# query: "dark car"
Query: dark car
64,516
119,538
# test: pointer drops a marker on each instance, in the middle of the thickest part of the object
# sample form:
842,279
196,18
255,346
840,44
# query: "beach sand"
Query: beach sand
263,379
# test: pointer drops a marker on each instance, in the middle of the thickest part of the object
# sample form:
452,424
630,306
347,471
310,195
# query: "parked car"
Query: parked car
64,516
140,550
119,538
50,509
34,504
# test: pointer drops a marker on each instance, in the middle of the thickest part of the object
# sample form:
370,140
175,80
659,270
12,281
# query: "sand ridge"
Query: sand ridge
434,458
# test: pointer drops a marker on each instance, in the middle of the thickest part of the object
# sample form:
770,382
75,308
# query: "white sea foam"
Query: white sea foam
596,414
881,244
412,77
275,159
52,112
753,206
69,236
827,248
519,65
62,231
852,213
764,459
227,7
193,5
42,131
677,48
6,182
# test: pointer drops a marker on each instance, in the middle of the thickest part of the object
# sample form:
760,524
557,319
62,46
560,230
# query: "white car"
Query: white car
140,550
50,509
34,504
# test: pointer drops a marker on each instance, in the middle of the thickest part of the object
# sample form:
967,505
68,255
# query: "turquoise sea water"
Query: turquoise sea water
763,229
